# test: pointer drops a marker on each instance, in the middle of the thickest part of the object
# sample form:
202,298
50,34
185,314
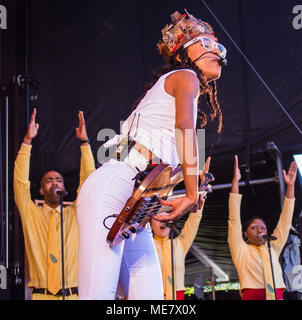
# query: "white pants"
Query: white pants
134,262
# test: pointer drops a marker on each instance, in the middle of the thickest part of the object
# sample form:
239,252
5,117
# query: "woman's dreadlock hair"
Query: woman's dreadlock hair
208,90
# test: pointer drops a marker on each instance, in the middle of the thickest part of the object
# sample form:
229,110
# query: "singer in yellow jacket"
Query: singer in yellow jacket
181,246
35,219
251,257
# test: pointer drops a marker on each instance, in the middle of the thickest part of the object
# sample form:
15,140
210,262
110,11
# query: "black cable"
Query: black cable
112,216
172,263
271,261
2,257
26,27
2,227
62,249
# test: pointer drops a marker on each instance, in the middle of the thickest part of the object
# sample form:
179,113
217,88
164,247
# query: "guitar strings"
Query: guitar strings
159,206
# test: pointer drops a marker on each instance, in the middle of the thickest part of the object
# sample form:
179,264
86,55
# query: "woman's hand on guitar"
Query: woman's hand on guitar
180,206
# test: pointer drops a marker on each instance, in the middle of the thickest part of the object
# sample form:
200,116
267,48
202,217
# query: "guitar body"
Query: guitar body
143,204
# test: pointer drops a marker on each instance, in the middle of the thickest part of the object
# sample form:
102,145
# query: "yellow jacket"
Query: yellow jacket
35,222
246,257
181,245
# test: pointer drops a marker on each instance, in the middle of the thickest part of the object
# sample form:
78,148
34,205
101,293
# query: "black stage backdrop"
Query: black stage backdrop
97,55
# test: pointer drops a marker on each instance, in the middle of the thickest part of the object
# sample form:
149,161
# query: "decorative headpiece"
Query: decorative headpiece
183,29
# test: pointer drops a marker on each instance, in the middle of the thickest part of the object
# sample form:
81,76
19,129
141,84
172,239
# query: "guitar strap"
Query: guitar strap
126,144
123,149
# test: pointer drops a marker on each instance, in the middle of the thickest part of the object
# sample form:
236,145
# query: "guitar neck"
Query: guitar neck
178,195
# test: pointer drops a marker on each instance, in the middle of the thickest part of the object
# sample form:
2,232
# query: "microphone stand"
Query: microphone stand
270,256
62,248
172,259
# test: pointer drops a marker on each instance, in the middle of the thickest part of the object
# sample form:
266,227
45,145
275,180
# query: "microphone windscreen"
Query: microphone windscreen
62,193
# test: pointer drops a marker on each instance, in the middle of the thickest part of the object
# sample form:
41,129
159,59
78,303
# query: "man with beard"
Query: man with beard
42,225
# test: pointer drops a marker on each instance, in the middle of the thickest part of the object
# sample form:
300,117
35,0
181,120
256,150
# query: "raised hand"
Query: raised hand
236,176
291,175
32,129
81,132
290,179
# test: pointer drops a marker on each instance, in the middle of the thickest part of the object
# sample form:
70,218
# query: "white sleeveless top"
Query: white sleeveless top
152,123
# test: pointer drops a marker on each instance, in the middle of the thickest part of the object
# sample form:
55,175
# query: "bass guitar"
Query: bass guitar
143,205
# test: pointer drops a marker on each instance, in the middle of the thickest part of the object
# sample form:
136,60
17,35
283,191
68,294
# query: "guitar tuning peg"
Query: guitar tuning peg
209,177
209,189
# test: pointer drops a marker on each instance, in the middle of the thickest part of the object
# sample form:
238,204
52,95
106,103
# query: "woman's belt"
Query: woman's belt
126,145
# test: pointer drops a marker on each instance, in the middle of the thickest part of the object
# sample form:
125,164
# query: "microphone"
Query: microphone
172,223
174,227
222,61
167,224
61,193
267,237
